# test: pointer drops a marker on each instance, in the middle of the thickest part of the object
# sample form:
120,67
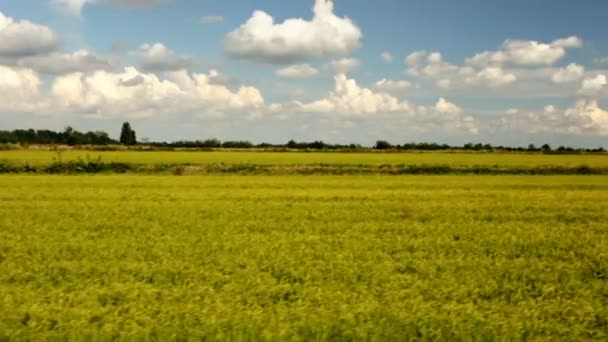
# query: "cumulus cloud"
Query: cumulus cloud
19,89
23,38
63,63
445,107
526,53
212,19
386,57
297,71
572,73
158,57
349,99
136,94
343,65
392,85
428,64
584,117
262,40
592,86
492,76
128,93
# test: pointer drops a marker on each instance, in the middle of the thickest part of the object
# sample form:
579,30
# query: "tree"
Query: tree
383,145
127,135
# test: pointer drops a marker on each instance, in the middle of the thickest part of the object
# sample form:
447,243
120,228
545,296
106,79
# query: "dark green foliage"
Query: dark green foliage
69,136
383,145
127,135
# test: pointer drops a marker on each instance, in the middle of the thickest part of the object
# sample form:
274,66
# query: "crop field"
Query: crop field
304,257
299,158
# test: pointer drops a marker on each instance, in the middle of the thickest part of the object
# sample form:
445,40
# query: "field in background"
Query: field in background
315,257
312,158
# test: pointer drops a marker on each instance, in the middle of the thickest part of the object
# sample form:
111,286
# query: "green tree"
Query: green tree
127,135
383,145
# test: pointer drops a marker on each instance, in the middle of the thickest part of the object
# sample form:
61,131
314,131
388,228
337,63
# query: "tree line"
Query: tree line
128,137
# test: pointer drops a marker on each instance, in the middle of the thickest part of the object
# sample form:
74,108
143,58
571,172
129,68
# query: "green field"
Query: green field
304,257
299,158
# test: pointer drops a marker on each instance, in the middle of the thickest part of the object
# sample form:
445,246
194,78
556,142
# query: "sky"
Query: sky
502,72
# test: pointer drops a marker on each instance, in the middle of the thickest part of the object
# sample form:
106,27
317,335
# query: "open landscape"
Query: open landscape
304,257
303,170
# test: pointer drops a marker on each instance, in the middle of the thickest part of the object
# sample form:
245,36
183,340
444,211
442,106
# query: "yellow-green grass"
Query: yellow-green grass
304,257
36,157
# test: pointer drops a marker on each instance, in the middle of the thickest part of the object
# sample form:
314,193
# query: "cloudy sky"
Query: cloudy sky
505,72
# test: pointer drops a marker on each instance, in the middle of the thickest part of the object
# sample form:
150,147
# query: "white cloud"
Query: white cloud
584,117
386,57
445,107
260,39
414,59
572,73
158,57
297,71
492,76
212,19
592,86
526,52
19,89
428,64
351,99
601,60
24,38
391,85
62,63
343,66
129,93
135,94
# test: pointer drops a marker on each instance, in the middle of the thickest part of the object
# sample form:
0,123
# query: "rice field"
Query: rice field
36,157
123,257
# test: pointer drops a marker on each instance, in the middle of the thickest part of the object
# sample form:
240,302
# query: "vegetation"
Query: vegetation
304,258
128,138
127,135
40,157
68,137
180,163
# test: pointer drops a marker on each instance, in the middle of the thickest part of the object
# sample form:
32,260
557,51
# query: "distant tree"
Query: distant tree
127,135
383,145
531,147
546,147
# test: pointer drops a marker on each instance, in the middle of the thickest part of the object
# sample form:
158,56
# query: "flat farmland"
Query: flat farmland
298,158
304,257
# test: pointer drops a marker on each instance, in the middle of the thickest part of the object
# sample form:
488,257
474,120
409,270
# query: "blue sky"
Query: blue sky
504,72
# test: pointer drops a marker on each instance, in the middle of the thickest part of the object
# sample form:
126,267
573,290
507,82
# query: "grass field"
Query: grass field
304,257
297,158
